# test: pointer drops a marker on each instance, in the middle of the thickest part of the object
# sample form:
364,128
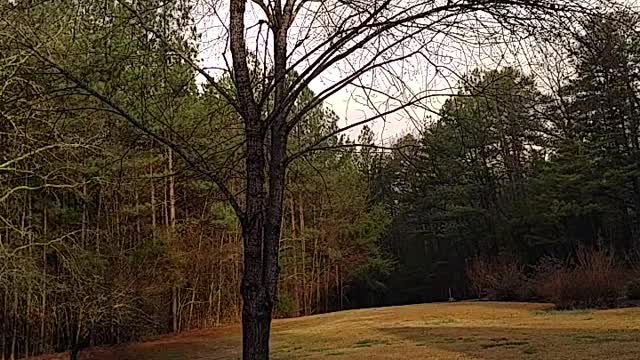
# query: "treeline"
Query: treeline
510,177
107,233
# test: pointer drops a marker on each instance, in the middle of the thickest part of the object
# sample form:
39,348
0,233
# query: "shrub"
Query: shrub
591,279
500,278
284,307
632,289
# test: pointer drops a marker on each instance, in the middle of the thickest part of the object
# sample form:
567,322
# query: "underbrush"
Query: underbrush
501,279
591,278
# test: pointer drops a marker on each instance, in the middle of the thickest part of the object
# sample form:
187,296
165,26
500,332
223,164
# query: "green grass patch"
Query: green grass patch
504,343
368,343
603,338
563,312
499,339
336,353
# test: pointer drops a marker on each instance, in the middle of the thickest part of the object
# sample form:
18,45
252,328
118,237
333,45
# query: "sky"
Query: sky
351,106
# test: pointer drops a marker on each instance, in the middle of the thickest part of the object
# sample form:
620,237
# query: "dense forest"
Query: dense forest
509,174
110,232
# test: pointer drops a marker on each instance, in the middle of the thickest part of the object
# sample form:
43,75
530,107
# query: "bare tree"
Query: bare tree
368,40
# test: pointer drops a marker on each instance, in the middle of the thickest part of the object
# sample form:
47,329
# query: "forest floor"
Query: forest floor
465,330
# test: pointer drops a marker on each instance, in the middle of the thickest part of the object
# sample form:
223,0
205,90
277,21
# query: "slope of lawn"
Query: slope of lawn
466,330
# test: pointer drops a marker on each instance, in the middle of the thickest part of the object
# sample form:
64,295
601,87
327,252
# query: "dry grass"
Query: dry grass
466,330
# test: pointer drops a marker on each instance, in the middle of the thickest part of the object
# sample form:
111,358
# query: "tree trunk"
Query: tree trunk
44,283
84,214
172,193
27,327
138,221
262,218
14,338
153,199
296,292
171,222
261,234
98,217
219,308
256,306
5,305
174,308
303,266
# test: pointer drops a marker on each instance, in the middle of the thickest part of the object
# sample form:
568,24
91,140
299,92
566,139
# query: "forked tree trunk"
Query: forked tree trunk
262,217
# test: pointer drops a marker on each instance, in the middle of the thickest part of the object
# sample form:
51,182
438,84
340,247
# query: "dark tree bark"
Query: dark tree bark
266,145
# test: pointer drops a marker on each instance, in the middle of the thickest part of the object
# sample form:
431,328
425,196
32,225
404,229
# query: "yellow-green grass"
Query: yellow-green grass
465,330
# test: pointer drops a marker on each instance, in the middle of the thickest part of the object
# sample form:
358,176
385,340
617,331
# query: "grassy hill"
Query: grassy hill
466,330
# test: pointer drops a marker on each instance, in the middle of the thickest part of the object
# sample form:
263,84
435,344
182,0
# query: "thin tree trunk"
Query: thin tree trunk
14,338
305,299
44,283
27,328
341,284
174,308
84,215
315,272
326,288
193,301
338,293
138,224
211,291
219,308
5,306
172,193
98,220
170,219
153,198
296,293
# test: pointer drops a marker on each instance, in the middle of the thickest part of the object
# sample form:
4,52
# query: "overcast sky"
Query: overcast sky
350,104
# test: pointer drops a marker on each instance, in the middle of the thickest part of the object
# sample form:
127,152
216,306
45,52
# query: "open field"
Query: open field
466,330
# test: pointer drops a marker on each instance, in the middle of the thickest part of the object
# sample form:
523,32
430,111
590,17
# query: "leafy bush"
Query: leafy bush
285,306
500,278
632,289
591,279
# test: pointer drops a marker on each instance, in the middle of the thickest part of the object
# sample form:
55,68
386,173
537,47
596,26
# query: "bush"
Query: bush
498,278
591,279
632,289
284,307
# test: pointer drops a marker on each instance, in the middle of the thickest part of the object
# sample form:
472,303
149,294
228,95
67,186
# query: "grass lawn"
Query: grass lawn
465,330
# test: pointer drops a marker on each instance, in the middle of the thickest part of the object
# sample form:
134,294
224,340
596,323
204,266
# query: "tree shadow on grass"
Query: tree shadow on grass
522,343
179,348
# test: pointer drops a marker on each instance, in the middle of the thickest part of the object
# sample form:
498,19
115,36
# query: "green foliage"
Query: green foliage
508,169
632,289
285,306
